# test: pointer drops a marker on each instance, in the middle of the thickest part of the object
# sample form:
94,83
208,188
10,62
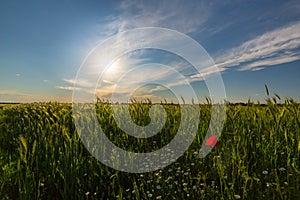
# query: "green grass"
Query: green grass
257,157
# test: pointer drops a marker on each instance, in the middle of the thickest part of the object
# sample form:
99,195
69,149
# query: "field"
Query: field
257,156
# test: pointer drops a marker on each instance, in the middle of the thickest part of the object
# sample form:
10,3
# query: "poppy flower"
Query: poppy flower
212,141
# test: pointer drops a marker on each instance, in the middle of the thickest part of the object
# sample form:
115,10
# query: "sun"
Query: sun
113,72
113,68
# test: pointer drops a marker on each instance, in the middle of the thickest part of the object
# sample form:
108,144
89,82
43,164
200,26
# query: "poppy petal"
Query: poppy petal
212,141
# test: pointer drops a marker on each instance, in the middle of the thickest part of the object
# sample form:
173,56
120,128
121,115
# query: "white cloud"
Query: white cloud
67,88
255,66
271,48
182,16
79,82
12,92
126,83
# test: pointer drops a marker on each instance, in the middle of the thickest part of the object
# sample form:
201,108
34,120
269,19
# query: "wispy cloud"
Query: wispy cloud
275,47
137,78
68,88
81,82
186,17
271,48
12,92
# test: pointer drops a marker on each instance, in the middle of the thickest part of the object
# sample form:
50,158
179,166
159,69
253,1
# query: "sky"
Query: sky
44,44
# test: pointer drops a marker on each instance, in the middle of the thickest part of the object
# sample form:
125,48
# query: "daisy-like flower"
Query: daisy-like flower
265,172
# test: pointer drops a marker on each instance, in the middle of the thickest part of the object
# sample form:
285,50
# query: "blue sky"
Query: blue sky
43,44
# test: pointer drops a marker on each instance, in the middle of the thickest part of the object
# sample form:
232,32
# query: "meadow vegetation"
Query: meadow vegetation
257,156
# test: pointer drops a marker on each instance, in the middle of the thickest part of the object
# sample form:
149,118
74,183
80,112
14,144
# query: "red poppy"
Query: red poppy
212,141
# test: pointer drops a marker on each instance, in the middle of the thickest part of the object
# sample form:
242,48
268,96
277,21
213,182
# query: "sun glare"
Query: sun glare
113,68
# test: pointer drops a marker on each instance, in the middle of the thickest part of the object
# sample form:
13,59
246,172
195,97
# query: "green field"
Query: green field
257,156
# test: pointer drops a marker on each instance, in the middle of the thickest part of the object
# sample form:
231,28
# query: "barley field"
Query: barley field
257,155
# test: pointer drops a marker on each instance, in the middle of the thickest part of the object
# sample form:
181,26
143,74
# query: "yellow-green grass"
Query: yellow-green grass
257,157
